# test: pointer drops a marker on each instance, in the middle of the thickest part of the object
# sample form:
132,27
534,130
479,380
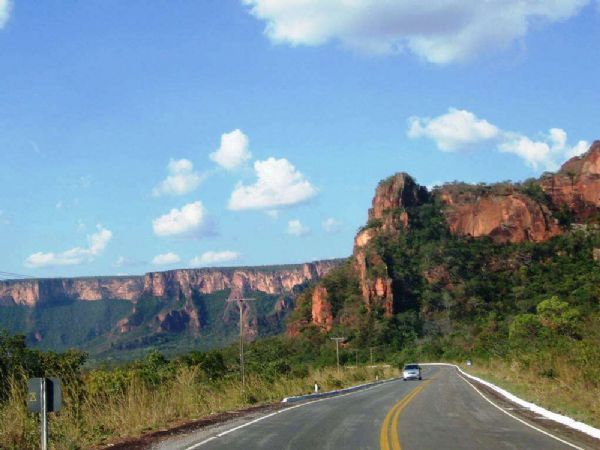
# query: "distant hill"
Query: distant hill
174,310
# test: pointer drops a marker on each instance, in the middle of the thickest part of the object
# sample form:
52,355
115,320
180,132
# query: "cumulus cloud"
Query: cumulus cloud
181,179
97,242
233,151
439,31
5,9
453,130
166,259
330,225
190,220
295,228
279,184
212,258
460,129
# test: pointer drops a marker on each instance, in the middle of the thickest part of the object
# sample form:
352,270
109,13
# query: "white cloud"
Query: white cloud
440,31
453,130
545,153
279,184
191,220
459,129
211,258
166,259
97,242
330,225
295,228
5,10
181,179
233,151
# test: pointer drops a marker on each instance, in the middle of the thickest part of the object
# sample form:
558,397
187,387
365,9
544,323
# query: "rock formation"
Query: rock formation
170,284
576,185
505,217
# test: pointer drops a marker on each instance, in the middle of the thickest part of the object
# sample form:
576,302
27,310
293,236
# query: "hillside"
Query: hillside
508,270
173,310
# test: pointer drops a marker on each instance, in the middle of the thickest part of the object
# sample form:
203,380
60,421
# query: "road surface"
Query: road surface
440,412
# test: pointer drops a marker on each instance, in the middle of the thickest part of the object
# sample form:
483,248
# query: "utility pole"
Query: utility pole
371,354
240,302
337,350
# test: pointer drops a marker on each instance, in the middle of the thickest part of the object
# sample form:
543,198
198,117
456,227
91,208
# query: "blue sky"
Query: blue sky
304,107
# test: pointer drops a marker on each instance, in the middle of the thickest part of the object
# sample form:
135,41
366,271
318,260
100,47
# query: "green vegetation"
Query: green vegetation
102,405
533,307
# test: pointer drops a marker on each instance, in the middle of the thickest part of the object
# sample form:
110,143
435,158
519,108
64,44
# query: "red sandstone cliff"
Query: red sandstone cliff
577,184
172,284
502,212
505,217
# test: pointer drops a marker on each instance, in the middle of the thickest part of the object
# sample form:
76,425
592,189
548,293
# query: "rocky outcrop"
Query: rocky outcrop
388,214
392,196
576,185
321,309
34,292
507,216
171,284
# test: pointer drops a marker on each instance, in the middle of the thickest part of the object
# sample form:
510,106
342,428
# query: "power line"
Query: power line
11,275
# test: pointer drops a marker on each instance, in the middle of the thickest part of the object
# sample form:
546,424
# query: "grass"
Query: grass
93,419
561,391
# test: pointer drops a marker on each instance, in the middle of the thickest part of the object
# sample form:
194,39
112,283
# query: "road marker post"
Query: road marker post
43,396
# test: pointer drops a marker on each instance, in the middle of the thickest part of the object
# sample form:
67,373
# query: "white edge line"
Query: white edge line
563,420
520,420
244,425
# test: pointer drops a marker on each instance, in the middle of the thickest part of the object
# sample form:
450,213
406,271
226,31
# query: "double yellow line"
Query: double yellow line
389,428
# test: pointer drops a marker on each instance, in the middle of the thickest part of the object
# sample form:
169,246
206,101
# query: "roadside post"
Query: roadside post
337,350
43,396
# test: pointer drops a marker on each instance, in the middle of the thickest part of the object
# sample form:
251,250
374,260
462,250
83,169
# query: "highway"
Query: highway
440,412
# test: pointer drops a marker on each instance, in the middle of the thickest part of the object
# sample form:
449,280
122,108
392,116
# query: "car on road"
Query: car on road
411,372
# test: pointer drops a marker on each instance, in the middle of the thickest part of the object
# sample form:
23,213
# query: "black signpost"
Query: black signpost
43,396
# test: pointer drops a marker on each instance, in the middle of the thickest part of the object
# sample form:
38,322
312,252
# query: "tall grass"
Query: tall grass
91,417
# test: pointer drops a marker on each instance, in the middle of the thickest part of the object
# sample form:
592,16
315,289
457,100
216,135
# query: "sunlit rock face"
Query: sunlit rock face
576,185
504,217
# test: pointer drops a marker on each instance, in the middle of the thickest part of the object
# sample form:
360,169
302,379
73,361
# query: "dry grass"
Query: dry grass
97,419
563,391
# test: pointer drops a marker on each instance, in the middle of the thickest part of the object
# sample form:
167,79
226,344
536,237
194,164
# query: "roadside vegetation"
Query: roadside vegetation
527,314
103,405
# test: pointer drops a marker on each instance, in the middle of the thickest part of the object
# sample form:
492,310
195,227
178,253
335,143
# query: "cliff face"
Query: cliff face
34,292
171,284
387,215
321,309
171,301
507,217
576,185
505,213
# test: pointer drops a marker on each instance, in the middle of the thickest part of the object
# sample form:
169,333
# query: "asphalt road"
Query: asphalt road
440,412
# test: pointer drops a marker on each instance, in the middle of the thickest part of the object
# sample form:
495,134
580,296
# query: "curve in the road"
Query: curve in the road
441,412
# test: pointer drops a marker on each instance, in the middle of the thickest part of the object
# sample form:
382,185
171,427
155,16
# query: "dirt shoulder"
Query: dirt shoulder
146,441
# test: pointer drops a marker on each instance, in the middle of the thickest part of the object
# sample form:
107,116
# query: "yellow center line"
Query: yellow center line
390,423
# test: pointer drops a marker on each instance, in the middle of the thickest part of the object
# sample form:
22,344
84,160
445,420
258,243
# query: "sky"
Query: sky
152,135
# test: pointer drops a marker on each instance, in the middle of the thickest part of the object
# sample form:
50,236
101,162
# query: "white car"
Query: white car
411,372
